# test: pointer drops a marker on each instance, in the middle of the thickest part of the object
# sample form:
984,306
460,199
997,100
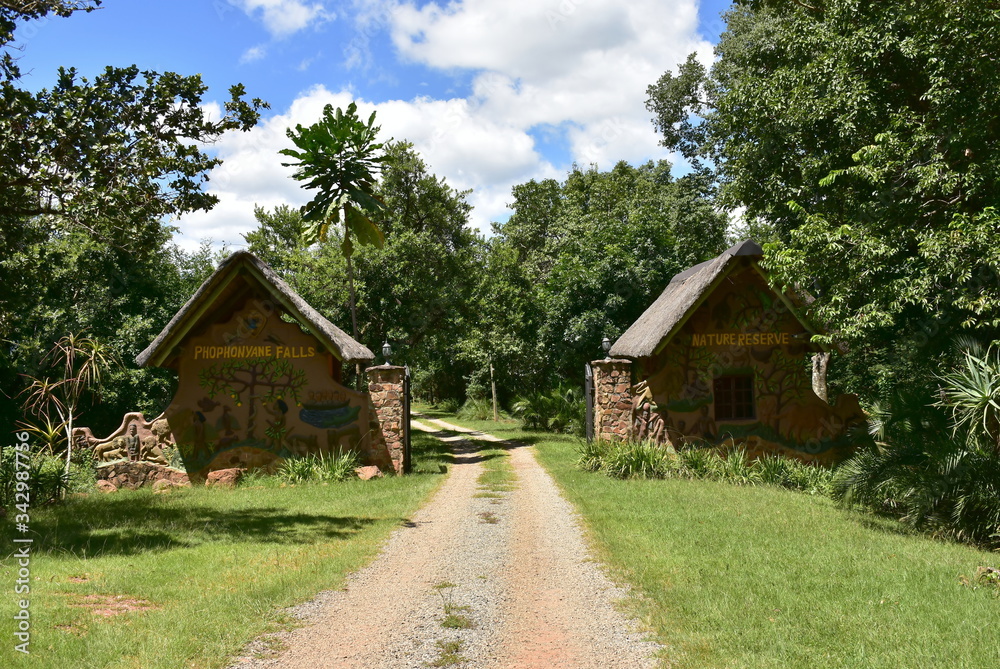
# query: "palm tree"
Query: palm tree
339,158
80,363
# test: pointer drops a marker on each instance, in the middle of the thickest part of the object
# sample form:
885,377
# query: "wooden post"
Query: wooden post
493,384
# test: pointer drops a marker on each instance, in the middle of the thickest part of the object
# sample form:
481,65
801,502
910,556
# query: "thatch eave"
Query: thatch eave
246,265
682,297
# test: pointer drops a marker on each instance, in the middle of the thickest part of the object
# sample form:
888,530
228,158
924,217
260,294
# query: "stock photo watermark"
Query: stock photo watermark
22,542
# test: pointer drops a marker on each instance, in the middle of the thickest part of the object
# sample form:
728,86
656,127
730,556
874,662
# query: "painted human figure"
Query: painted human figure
276,428
227,425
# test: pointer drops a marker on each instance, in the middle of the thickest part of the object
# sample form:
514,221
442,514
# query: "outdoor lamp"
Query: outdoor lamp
386,351
606,345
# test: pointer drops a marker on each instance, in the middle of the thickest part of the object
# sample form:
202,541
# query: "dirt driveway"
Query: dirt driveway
514,568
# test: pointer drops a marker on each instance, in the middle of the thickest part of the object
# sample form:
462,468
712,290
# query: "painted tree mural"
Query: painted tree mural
253,380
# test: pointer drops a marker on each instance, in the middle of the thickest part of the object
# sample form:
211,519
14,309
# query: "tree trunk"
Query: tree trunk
820,363
493,385
354,313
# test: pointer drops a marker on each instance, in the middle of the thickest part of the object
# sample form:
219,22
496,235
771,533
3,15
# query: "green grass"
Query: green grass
216,566
449,654
734,576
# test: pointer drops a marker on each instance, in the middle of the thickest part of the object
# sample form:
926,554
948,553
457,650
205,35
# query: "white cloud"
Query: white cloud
252,54
285,17
577,69
467,149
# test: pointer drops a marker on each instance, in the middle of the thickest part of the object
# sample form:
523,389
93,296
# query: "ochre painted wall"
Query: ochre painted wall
744,328
255,389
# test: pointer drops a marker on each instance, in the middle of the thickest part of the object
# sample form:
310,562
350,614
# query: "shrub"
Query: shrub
47,478
810,479
773,470
735,468
592,454
339,467
698,463
449,405
476,409
319,467
560,410
637,459
643,459
935,465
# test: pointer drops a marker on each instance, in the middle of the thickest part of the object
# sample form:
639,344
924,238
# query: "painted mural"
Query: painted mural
256,389
743,331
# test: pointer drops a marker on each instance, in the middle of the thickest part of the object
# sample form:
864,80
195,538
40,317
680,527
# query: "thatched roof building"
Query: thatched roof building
682,296
239,277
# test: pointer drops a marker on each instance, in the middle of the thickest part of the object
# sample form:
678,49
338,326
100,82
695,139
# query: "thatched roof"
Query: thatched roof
239,275
683,294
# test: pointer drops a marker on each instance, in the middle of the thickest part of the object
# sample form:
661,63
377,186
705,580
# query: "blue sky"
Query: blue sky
491,93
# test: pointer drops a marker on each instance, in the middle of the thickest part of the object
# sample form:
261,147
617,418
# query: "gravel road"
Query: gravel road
516,566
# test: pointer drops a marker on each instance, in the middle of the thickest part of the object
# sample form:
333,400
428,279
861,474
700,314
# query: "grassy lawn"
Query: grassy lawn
214,567
763,577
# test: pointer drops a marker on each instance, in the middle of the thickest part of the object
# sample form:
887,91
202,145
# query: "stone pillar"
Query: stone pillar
385,386
612,399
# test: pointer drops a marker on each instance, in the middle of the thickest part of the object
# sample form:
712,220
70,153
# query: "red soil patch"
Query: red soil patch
113,605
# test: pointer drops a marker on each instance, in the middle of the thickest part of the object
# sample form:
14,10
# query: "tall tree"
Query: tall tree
339,158
414,290
865,136
90,170
581,260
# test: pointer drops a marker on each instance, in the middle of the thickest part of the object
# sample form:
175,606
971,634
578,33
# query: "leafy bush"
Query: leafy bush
592,454
476,409
560,410
735,468
643,459
47,478
449,405
774,470
637,459
698,463
319,467
935,465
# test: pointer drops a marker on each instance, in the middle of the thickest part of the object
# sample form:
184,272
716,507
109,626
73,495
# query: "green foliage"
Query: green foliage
636,459
581,260
320,467
91,169
47,479
972,392
426,235
858,138
935,466
339,158
79,365
646,460
476,409
562,409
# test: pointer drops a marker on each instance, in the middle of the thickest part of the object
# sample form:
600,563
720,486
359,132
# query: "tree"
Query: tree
414,290
864,136
91,170
339,158
581,260
80,363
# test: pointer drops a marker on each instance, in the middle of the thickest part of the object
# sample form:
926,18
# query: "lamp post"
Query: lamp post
606,346
386,352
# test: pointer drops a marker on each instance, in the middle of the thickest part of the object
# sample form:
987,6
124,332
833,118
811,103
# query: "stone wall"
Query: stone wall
612,399
134,475
385,386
